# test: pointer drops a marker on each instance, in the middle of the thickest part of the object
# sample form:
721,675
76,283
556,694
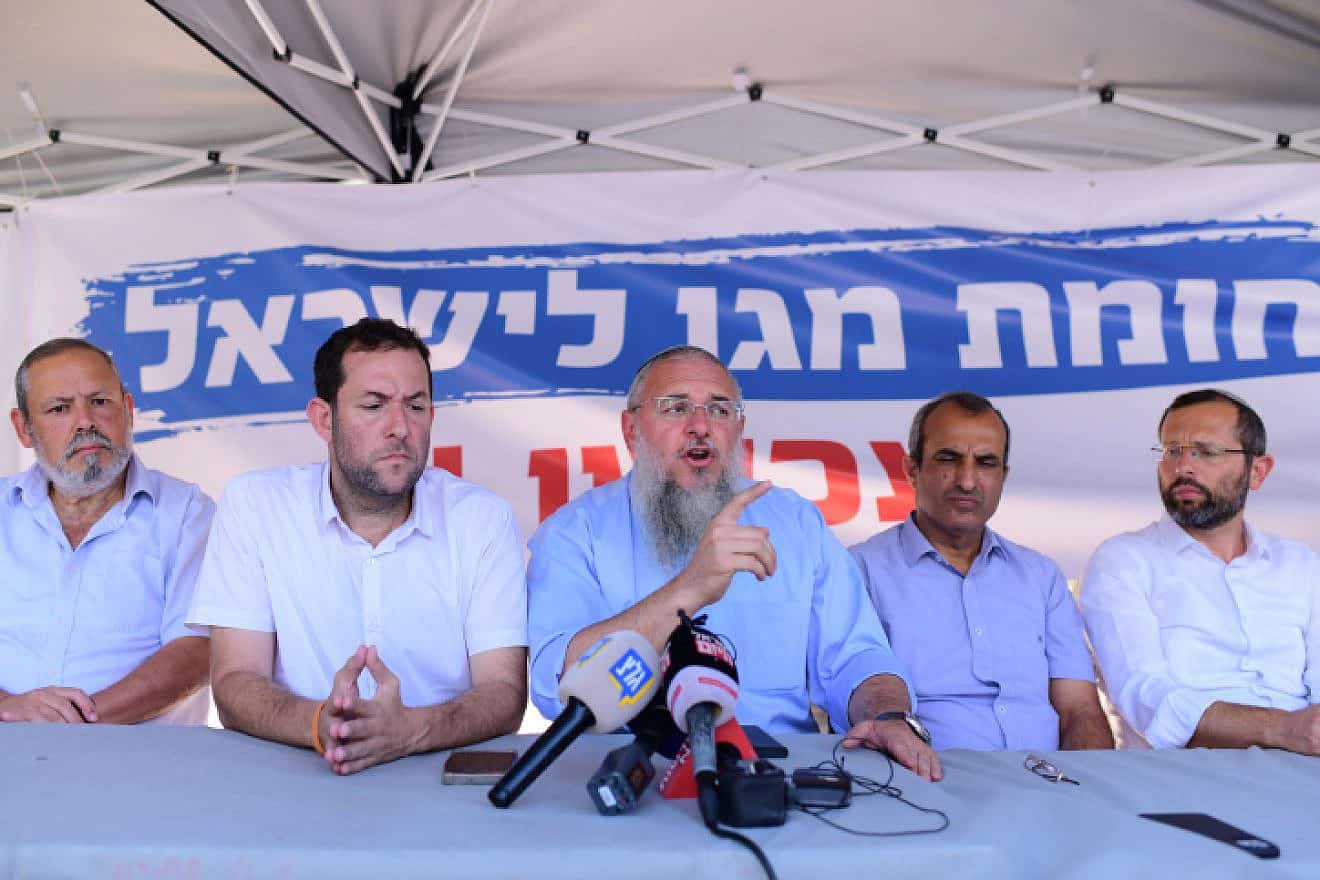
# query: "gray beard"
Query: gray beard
676,518
94,478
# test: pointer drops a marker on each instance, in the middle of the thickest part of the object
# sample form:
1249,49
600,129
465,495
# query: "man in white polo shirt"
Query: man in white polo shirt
98,557
412,574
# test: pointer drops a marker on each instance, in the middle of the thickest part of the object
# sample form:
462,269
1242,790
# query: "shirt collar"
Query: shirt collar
34,488
915,545
138,482
1176,538
421,518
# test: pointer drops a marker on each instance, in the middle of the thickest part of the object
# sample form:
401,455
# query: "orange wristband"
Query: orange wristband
316,729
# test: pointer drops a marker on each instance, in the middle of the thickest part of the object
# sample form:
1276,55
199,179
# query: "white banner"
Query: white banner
1081,304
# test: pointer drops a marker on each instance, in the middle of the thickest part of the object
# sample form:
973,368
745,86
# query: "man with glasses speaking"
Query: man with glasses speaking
686,530
1207,630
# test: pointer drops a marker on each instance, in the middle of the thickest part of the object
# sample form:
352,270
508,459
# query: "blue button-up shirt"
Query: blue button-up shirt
980,649
86,617
806,634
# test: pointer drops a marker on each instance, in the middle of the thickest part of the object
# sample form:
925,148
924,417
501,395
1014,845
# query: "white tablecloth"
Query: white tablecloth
166,803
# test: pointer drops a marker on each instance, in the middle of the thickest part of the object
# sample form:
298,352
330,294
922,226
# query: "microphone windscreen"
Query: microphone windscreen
698,668
693,685
615,678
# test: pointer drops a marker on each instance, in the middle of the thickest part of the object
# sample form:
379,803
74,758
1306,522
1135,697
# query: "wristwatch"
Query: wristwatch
912,721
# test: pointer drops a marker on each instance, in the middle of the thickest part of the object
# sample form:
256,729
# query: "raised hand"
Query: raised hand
727,548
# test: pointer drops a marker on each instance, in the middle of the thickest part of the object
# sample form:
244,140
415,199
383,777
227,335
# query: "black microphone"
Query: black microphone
606,687
655,728
701,690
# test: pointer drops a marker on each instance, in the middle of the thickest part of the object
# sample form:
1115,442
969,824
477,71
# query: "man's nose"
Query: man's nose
82,415
1185,461
966,473
698,424
397,423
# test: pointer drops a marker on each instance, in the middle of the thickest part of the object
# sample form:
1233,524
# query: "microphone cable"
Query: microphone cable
747,842
870,786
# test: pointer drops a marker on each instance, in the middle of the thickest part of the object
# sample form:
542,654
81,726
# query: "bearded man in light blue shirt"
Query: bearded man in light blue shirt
986,627
684,530
100,556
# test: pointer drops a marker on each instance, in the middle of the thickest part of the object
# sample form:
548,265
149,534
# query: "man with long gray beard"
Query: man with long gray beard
686,531
1207,630
100,557
412,574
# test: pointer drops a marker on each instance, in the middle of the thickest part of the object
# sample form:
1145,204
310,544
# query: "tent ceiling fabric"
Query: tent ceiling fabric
109,71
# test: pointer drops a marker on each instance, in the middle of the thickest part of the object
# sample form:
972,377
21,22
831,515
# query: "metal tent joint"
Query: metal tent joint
404,136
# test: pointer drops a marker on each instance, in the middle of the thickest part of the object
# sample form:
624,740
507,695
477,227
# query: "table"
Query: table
194,803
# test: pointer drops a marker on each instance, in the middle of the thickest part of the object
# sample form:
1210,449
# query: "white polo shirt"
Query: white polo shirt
89,616
1175,628
446,584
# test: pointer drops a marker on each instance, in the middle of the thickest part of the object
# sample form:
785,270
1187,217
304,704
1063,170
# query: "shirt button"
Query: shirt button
1002,709
978,631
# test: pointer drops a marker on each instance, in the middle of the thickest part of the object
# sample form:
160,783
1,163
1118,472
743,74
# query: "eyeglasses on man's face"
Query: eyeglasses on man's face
679,408
1206,452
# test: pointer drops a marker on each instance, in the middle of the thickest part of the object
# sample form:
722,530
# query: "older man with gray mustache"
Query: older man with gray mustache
100,556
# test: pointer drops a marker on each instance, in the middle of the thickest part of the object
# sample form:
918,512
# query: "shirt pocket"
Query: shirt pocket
770,641
1198,637
27,611
121,599
1275,624
1024,668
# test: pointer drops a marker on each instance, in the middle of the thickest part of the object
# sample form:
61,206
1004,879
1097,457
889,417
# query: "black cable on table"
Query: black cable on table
750,844
871,787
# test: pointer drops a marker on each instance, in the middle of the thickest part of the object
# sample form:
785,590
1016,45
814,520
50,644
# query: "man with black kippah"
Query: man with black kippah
413,574
1207,630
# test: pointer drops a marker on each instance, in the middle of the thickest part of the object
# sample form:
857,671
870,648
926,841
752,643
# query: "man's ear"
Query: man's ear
1261,466
322,417
21,427
910,469
628,424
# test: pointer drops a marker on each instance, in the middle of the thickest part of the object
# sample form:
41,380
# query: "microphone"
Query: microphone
607,687
701,690
655,728
626,772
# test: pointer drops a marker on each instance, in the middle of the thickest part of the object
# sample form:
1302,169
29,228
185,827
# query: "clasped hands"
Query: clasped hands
358,733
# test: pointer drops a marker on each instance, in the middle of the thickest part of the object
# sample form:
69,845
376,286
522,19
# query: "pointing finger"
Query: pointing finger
738,503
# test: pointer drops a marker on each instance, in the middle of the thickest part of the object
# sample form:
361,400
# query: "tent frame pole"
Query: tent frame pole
433,136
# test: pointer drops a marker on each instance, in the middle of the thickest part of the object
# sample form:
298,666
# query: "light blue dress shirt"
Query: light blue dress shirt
807,634
980,649
87,617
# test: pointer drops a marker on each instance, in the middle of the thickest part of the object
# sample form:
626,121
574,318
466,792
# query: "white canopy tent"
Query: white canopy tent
119,95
